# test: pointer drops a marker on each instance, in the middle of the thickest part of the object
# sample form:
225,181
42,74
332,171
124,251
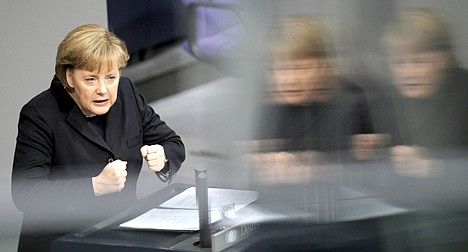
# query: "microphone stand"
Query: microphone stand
201,187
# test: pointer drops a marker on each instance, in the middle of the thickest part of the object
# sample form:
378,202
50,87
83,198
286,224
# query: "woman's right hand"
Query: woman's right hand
290,167
111,179
413,161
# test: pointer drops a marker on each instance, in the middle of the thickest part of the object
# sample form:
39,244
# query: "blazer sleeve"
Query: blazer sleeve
31,186
155,131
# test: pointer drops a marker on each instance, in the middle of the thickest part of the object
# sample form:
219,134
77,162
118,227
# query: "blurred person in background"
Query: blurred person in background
427,166
311,113
431,104
81,143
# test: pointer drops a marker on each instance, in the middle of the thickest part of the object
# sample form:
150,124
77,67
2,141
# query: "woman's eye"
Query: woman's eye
111,78
90,80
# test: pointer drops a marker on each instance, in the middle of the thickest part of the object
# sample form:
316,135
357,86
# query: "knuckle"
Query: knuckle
152,149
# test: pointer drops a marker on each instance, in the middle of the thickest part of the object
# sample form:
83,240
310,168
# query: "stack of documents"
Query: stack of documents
180,213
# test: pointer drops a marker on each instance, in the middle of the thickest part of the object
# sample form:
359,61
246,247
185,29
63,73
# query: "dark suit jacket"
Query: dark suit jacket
58,151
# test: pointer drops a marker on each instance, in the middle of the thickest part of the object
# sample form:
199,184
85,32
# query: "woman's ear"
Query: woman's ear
69,74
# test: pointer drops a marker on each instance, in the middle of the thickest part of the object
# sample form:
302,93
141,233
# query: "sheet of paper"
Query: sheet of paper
180,213
216,198
168,219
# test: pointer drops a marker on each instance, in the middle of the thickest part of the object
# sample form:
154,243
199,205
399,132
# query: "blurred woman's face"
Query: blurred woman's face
418,75
301,81
94,91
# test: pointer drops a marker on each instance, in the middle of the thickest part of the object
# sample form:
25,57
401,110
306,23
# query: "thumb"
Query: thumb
144,150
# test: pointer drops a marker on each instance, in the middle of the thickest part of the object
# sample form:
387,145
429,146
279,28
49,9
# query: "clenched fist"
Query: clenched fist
413,161
154,156
368,146
289,167
111,179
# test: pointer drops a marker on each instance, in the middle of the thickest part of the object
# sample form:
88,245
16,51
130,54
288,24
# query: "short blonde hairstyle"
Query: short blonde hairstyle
417,30
89,47
300,36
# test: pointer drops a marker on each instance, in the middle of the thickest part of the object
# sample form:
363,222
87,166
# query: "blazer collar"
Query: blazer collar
78,121
114,127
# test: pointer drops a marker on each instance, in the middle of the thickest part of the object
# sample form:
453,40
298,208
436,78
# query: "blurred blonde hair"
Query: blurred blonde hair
300,36
89,47
417,30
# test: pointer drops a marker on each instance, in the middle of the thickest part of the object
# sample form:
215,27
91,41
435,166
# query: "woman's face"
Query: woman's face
94,92
300,81
418,75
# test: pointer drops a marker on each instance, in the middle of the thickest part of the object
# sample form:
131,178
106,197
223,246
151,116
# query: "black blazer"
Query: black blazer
58,151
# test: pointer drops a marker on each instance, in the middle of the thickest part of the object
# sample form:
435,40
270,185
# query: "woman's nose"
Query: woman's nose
102,87
288,77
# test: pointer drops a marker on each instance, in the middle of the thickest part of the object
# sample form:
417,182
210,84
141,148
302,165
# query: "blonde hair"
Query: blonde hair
89,47
419,30
300,36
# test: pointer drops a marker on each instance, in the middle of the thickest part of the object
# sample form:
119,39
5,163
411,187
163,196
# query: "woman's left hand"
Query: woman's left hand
155,156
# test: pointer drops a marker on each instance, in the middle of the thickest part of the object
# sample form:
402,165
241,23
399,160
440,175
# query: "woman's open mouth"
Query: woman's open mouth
100,102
